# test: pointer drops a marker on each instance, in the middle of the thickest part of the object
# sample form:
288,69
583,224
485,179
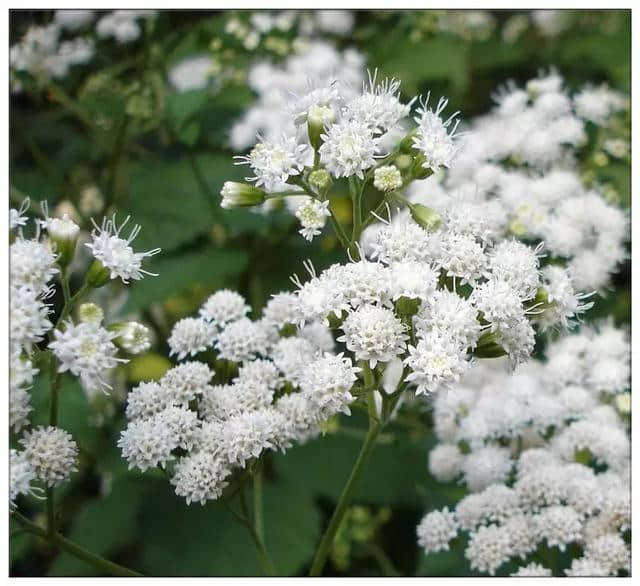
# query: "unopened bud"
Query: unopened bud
236,194
317,118
97,275
63,233
425,217
320,179
90,313
133,337
418,170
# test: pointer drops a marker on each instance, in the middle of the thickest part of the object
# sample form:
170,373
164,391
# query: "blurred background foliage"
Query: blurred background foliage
114,136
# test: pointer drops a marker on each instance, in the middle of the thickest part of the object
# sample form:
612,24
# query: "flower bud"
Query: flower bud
63,233
133,337
320,179
317,118
236,194
418,170
90,313
406,144
387,178
425,217
97,275
623,403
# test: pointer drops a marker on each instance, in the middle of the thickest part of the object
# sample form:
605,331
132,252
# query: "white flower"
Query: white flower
313,216
451,316
320,104
533,570
374,334
133,337
32,264
28,314
387,178
610,552
19,408
21,475
436,530
190,336
200,477
291,355
51,452
348,149
586,567
223,307
402,241
462,257
486,466
445,462
73,19
378,106
241,340
436,361
191,73
274,162
122,25
259,373
328,382
86,350
516,264
565,302
413,280
596,104
187,380
489,547
147,443
559,526
281,309
434,138
147,399
115,253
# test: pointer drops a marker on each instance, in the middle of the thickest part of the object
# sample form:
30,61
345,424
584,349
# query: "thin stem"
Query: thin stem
338,229
66,310
209,195
371,217
75,550
60,95
263,556
118,150
345,499
386,565
258,509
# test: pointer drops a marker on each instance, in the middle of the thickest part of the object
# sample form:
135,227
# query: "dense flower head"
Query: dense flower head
190,336
32,264
224,306
546,457
349,148
29,317
51,452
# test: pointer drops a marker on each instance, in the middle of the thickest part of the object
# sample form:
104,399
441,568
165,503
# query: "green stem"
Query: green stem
386,565
258,509
338,229
345,499
118,150
75,550
371,217
210,196
263,556
60,95
66,310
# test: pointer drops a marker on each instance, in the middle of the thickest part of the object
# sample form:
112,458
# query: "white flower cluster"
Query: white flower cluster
42,53
318,63
48,51
330,131
546,455
285,388
87,349
518,174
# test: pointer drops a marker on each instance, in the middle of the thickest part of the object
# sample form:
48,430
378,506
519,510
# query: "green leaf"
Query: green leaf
167,201
205,540
104,526
183,106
